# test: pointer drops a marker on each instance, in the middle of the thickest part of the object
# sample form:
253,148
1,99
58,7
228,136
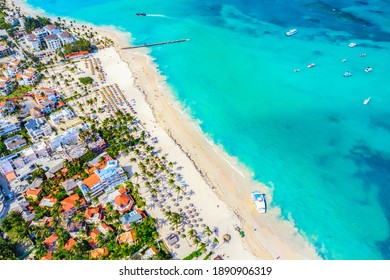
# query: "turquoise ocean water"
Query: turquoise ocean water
327,155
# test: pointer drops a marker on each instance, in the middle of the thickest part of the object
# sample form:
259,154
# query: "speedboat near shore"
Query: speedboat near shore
259,200
140,14
291,32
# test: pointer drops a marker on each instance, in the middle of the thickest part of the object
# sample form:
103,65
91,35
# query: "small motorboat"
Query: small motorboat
259,200
140,15
368,69
351,45
347,74
343,60
297,70
291,32
311,65
363,55
366,101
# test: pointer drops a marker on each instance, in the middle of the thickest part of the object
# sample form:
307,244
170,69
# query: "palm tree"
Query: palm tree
176,220
168,214
208,231
196,242
171,182
191,233
178,190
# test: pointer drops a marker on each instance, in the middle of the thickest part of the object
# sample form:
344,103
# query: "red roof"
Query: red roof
72,55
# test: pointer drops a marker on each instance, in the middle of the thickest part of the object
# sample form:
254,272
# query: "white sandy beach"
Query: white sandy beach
221,185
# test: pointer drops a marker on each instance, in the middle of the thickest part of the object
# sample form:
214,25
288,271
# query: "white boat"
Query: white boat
368,69
311,65
351,45
259,200
365,102
347,74
291,32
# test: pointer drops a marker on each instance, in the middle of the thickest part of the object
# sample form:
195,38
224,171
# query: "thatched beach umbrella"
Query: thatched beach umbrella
226,238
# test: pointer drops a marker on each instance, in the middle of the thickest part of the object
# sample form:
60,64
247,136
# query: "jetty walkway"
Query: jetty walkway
157,44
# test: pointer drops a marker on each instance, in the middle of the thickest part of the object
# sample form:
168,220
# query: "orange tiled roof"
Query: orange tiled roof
10,176
69,244
33,192
89,212
49,242
127,237
91,180
106,227
122,199
47,257
98,253
70,202
18,76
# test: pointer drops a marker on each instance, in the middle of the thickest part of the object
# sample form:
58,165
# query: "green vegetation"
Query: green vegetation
3,24
86,80
145,232
6,250
14,225
194,254
33,23
208,256
78,46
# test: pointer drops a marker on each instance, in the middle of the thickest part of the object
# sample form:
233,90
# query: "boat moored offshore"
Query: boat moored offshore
291,32
259,200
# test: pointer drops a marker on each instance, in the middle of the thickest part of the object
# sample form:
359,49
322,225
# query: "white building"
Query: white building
40,33
7,127
104,180
6,86
28,78
70,136
38,128
11,69
4,49
15,142
63,115
6,108
53,42
52,29
32,41
66,38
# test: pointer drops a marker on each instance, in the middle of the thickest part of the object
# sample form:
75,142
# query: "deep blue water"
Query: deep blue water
327,155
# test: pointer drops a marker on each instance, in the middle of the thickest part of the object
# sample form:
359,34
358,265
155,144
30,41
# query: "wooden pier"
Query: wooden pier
157,44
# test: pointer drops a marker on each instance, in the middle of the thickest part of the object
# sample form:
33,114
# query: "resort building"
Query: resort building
120,200
65,114
6,86
28,78
129,218
69,186
66,38
52,42
36,112
127,237
6,108
4,49
8,127
51,29
93,214
95,143
77,55
51,242
15,142
40,33
149,253
11,69
47,201
38,128
32,42
103,180
70,205
47,100
33,193
68,137
98,253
